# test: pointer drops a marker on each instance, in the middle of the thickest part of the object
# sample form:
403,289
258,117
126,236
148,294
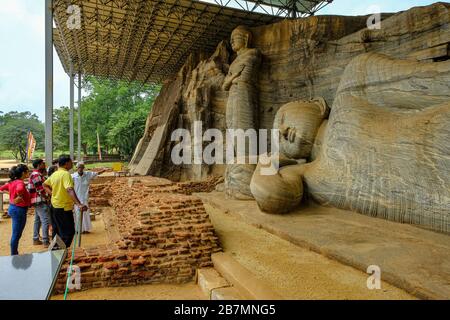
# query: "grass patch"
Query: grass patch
8,155
102,165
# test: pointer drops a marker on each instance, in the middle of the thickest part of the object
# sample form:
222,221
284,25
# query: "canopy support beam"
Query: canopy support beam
71,114
79,158
49,82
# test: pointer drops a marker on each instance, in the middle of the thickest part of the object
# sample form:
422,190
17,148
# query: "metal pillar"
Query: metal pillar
48,82
293,12
79,118
71,122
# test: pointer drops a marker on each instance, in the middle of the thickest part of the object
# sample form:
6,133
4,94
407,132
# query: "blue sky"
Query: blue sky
362,7
22,50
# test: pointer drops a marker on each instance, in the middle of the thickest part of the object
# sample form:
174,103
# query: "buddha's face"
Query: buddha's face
239,41
298,123
293,142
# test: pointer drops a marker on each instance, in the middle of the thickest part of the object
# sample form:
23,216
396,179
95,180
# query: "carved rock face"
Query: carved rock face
240,38
385,152
238,42
299,123
279,193
237,181
242,107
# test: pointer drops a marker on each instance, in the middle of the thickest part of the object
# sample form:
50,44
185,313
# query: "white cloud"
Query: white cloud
11,8
23,14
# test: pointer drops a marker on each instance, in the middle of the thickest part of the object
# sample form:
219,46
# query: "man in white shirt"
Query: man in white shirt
82,181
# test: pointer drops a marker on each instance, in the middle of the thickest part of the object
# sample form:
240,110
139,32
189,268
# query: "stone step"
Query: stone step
227,294
214,286
407,255
242,280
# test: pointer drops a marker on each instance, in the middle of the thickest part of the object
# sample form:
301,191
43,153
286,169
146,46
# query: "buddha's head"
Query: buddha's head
241,38
299,123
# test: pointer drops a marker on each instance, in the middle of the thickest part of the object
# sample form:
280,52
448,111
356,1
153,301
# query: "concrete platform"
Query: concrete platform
410,258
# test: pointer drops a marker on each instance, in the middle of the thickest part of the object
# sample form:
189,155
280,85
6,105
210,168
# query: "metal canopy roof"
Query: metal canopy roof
145,40
285,8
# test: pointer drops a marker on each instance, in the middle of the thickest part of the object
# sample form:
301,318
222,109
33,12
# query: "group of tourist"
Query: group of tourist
57,196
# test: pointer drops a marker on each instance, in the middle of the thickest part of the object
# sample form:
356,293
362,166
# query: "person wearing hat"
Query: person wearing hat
82,180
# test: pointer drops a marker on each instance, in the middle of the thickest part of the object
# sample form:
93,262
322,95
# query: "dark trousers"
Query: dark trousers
19,220
41,219
63,225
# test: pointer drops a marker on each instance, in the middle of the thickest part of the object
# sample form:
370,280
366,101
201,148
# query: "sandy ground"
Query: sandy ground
294,272
7,164
99,236
188,291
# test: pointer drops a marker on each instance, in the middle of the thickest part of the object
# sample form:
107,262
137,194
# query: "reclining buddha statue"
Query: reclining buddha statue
298,123
384,151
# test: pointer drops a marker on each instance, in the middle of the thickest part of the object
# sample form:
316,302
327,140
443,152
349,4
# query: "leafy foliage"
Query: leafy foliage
14,128
117,111
61,125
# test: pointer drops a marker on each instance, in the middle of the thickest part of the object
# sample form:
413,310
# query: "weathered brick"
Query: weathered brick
165,235
111,265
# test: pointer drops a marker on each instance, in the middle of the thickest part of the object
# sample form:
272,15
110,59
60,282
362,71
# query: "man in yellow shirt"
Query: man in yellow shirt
61,187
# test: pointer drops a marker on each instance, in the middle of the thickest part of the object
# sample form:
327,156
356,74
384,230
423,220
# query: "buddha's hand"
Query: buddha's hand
238,75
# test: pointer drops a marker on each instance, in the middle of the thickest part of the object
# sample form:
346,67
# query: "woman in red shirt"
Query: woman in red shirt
20,201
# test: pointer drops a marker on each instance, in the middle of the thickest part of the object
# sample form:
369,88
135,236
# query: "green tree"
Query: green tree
61,131
117,111
14,128
126,129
